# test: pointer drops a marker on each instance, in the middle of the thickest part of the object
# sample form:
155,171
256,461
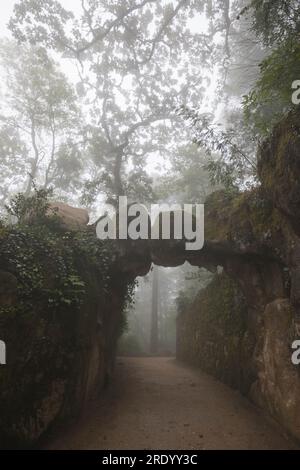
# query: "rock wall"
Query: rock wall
277,384
212,333
61,307
217,334
255,236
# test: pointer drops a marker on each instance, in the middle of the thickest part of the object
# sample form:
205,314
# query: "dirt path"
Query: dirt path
156,403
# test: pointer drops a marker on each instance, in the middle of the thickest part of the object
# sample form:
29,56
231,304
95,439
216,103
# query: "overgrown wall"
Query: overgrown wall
212,333
60,316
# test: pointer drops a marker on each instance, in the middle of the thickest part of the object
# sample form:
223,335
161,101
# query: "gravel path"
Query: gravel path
157,403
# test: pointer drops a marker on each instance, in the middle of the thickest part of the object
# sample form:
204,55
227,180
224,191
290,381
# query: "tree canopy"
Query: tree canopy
148,78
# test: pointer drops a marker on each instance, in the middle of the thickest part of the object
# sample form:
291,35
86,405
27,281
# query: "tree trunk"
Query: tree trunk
154,311
117,174
34,164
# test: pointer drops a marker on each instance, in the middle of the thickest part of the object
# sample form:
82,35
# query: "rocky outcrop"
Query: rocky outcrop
72,218
277,385
279,167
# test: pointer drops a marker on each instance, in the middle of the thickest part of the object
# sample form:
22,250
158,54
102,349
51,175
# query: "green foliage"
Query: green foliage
50,264
274,21
220,304
32,208
213,333
182,302
271,97
194,281
277,23
43,266
230,150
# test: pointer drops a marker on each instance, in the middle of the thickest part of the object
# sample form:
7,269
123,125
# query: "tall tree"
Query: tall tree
138,61
40,105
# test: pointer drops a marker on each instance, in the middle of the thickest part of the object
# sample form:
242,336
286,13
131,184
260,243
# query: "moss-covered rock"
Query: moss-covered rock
279,166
